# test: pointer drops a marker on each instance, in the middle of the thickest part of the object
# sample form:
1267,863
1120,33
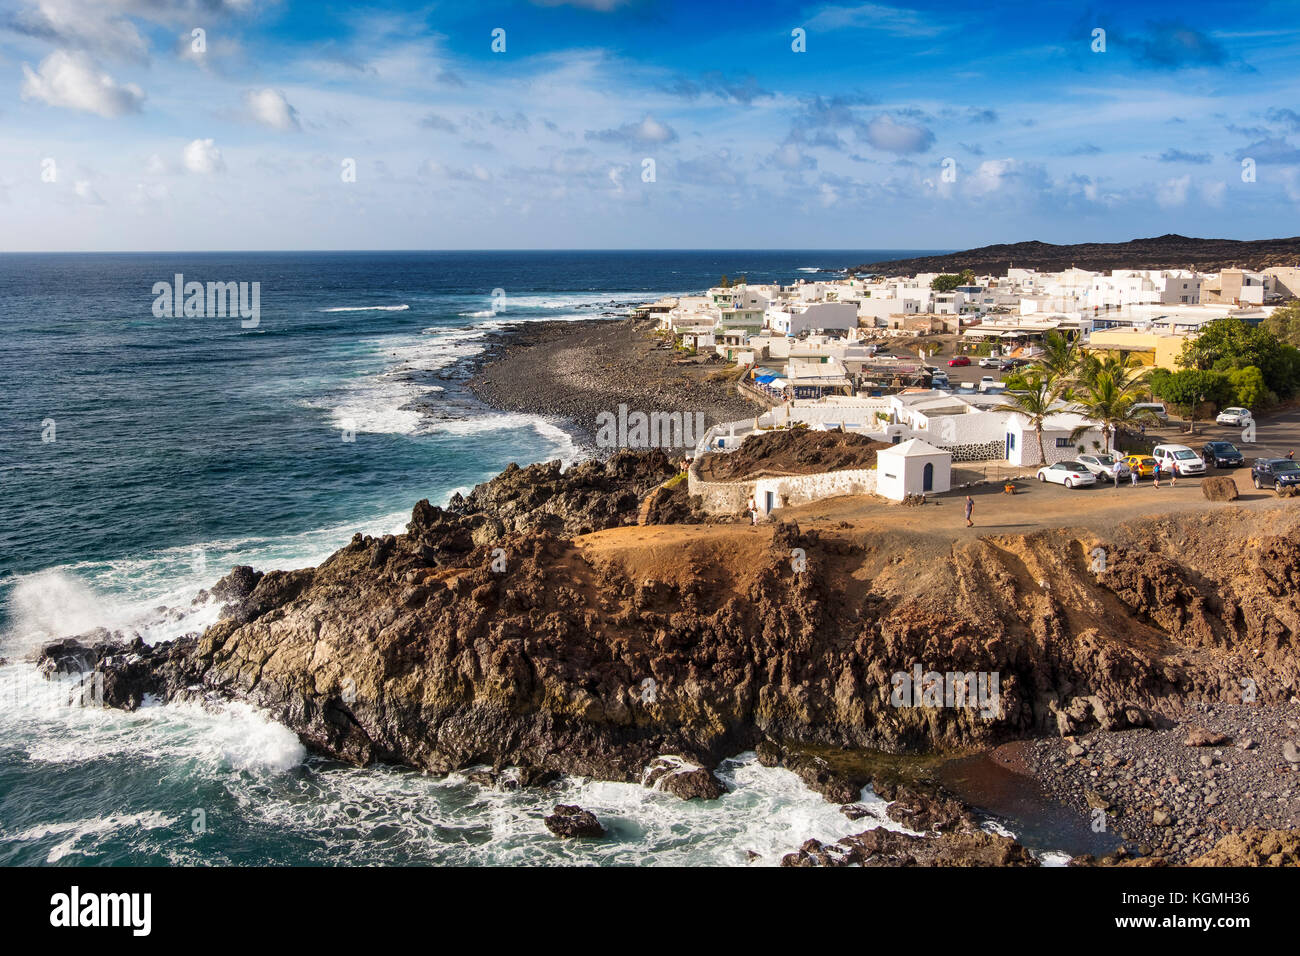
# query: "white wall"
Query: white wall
794,490
898,476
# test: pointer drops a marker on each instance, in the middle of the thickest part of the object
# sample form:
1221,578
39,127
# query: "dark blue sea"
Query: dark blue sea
143,455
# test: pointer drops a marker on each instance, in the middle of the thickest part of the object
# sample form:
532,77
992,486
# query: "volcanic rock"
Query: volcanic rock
1219,488
571,821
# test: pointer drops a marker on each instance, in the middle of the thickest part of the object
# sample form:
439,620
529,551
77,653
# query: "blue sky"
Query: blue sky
927,125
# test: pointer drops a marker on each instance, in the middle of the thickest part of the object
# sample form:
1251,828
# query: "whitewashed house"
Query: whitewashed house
822,316
1058,443
912,467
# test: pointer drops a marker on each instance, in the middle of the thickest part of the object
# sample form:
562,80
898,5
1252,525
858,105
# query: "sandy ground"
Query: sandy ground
1035,507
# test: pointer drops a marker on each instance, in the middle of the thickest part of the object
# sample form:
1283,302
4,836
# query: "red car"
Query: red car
959,360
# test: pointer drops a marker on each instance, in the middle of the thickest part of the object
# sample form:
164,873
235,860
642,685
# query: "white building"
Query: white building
912,468
822,316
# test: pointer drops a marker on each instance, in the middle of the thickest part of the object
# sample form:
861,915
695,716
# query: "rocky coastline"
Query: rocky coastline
575,371
535,626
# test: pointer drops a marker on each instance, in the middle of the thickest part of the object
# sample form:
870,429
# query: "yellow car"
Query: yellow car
1144,465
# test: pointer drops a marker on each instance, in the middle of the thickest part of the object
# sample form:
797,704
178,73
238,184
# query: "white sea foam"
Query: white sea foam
400,399
125,594
367,308
382,814
94,828
569,300
1054,858
215,737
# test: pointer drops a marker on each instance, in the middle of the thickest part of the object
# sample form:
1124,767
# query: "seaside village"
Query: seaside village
921,368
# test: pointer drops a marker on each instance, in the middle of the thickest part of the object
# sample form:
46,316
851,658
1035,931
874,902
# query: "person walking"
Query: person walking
1156,473
1133,476
970,506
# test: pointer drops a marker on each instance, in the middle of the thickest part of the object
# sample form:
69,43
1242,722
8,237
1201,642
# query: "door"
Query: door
770,502
927,477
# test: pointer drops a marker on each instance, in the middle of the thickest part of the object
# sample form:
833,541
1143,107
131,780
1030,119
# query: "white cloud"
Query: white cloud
988,176
1173,192
97,25
202,156
878,18
155,165
886,133
149,192
1213,192
648,132
790,156
601,6
86,193
1291,183
270,108
73,80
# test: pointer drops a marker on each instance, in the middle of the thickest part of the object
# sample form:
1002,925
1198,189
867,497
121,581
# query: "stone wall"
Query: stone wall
718,497
731,497
801,489
983,451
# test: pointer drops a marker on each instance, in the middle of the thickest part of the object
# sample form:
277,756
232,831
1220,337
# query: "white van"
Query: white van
1157,407
1178,459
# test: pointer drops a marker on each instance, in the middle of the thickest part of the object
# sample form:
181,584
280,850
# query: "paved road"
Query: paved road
1275,435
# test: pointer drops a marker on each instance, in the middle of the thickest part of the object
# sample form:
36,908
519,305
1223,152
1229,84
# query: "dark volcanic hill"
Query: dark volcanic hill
1163,252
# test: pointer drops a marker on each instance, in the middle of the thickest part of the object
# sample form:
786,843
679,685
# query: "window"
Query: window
1063,442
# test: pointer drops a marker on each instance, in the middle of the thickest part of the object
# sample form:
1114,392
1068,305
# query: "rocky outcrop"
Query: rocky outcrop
676,776
1219,488
571,822
587,497
1254,847
881,847
484,636
791,451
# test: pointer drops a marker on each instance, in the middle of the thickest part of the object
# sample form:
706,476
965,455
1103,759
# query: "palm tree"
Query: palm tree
1090,365
1061,356
1107,394
1035,402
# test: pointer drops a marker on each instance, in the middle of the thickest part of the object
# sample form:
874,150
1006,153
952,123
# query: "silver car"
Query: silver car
1104,466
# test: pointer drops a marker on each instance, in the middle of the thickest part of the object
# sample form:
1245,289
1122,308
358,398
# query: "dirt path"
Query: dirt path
1036,507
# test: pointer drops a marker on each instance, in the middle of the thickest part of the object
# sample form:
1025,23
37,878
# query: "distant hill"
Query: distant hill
1162,252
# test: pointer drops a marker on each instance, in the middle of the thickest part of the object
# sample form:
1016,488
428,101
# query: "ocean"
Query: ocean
145,454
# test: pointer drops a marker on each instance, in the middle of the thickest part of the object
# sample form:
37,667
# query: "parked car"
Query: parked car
1281,474
1234,416
1105,465
939,381
1223,454
959,361
1178,459
1008,365
987,382
990,361
1157,407
1144,465
1072,474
